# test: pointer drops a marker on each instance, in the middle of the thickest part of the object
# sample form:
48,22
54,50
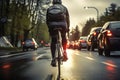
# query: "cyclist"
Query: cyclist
57,19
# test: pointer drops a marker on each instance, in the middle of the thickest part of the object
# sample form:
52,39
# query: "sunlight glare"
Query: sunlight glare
69,63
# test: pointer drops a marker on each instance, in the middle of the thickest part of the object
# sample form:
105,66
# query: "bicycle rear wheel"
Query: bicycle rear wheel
59,51
59,62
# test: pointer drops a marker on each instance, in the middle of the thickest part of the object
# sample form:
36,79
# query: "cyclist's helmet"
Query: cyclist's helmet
57,2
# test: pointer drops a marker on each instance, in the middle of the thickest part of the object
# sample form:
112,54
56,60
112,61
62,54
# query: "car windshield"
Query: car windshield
28,40
96,29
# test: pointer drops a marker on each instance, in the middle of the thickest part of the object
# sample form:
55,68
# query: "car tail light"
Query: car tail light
33,43
76,43
82,41
23,43
109,33
6,66
94,33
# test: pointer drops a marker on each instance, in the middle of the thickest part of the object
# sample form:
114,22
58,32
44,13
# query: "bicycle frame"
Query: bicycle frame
59,49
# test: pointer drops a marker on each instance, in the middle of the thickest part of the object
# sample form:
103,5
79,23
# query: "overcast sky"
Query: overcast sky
79,15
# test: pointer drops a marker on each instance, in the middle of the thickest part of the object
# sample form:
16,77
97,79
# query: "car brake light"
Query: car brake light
6,66
33,43
23,42
94,33
109,33
82,41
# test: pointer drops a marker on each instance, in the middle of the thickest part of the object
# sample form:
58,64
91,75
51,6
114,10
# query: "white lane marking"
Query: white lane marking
5,56
89,58
109,64
106,63
9,55
40,56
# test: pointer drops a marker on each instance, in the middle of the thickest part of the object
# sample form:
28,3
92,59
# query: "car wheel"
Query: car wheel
107,52
79,48
23,49
100,51
88,48
92,48
27,49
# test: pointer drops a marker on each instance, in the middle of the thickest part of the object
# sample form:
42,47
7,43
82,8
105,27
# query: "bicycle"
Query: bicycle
59,52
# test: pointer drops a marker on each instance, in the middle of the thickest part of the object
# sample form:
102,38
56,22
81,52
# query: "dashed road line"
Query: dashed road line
89,58
109,64
40,56
10,55
106,63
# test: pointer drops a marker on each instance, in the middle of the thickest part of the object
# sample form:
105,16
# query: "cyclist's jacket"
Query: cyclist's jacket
55,18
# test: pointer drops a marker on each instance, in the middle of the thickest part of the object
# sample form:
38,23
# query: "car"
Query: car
76,45
71,44
29,44
109,38
47,44
82,42
92,38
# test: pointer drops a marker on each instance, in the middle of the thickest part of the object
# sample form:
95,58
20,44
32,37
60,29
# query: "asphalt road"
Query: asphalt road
81,65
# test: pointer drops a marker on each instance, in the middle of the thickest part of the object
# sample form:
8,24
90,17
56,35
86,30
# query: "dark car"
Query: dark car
29,44
92,38
109,38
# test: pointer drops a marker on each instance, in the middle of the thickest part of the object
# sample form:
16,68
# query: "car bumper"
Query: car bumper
32,47
114,43
83,45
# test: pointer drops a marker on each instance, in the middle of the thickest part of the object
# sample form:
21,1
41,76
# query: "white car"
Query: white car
83,42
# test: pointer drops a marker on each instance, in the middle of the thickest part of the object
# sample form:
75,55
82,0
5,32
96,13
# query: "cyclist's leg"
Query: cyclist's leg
53,46
64,44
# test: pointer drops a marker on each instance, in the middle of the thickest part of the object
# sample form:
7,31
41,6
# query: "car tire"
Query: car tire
100,51
92,48
27,49
106,49
23,49
88,48
79,48
107,52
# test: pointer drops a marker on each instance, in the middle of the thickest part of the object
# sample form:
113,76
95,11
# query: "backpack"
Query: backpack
56,13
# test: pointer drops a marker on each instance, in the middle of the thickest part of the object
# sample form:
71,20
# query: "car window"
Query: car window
83,38
115,26
97,29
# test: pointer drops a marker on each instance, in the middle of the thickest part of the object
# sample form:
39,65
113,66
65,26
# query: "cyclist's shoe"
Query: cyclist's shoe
53,63
65,58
